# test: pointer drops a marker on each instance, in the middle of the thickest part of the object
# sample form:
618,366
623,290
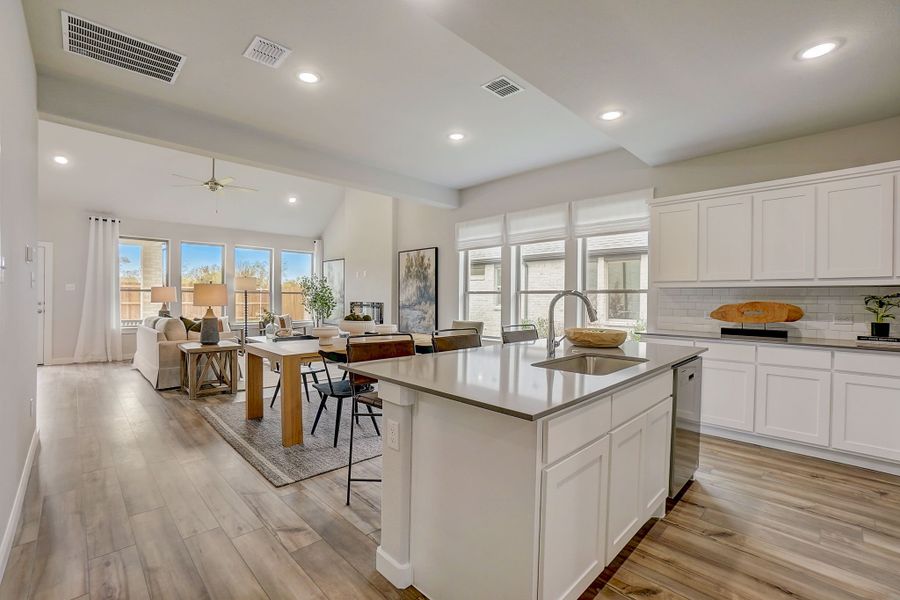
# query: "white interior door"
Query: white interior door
40,267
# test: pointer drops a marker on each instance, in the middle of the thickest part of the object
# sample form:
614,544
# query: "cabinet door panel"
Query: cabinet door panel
793,404
784,234
626,514
866,415
725,239
657,447
855,220
728,394
673,235
573,525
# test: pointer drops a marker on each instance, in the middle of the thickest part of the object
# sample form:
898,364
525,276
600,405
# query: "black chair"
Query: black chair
444,340
306,371
339,390
524,332
371,347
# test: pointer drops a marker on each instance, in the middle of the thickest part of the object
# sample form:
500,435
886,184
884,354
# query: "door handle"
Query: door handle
40,312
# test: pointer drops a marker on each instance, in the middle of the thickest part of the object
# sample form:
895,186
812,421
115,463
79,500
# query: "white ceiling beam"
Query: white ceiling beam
74,102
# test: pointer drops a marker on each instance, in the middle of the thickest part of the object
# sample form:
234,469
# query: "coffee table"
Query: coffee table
202,360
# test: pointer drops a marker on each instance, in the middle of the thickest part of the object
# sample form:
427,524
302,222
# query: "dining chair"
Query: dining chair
477,325
371,347
444,340
523,332
307,370
340,390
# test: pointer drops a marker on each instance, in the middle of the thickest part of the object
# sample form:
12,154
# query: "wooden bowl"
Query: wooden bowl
592,337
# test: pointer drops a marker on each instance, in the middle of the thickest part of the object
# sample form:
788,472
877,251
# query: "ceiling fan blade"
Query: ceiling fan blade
186,177
187,185
240,188
225,180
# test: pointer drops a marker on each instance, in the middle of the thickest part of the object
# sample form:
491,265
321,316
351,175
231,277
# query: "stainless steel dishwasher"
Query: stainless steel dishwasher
686,401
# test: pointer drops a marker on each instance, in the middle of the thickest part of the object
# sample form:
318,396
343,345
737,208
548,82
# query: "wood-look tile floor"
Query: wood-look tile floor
136,496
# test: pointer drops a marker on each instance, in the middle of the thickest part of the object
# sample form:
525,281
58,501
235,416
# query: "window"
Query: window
483,287
143,263
200,263
294,266
542,275
616,276
255,263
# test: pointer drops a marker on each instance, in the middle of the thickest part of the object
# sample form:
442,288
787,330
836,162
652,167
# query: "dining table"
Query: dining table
289,354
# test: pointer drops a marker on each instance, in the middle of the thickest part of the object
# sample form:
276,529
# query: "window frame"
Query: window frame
584,260
282,293
166,266
239,306
466,293
519,277
182,289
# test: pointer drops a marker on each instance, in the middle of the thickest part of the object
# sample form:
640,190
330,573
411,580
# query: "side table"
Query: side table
209,368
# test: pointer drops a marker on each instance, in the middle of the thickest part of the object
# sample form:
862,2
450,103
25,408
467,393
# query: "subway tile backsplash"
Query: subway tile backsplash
830,312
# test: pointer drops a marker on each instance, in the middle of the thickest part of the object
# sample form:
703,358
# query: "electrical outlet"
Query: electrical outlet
393,434
31,407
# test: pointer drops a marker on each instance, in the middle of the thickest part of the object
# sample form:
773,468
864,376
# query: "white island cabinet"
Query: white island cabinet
511,480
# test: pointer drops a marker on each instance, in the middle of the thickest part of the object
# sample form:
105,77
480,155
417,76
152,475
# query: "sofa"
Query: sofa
156,353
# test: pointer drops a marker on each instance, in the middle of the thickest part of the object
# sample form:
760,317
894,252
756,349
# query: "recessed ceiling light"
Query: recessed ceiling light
292,199
307,77
457,137
60,159
818,50
612,115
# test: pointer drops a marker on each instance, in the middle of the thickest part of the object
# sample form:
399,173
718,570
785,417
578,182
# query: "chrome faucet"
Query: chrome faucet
552,342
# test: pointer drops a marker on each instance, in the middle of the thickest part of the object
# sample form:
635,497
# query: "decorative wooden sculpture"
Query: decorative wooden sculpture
758,312
592,337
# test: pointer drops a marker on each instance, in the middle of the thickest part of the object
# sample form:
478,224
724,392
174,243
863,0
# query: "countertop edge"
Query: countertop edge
821,343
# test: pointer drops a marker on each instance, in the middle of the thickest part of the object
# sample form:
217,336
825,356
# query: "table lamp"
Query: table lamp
209,295
164,294
245,284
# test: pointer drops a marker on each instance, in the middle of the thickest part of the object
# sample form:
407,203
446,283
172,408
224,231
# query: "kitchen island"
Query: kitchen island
504,478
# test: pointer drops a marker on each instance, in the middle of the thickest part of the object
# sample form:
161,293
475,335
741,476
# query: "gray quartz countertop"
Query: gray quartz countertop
791,341
504,378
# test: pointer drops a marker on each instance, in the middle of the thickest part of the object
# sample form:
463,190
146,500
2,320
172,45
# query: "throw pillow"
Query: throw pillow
188,323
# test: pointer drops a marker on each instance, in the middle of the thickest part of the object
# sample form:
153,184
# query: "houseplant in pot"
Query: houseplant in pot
882,307
318,298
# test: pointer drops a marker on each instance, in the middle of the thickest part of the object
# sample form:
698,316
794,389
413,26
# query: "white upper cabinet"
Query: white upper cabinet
855,227
784,234
724,251
674,242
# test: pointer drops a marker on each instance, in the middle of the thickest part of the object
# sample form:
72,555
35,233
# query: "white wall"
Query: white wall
362,233
18,196
68,231
418,225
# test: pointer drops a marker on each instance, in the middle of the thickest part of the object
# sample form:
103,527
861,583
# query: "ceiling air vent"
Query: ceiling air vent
266,52
112,47
502,87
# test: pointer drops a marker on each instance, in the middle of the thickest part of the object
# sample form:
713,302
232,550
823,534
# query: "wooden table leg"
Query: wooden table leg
254,386
193,384
291,406
183,367
235,371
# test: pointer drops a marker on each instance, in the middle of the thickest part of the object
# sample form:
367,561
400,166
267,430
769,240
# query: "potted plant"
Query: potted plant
882,307
357,324
318,299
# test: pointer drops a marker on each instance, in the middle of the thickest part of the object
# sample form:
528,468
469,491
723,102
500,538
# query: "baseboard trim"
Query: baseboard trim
13,523
70,360
401,576
831,454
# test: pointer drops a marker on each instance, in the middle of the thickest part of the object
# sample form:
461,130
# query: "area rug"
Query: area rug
259,442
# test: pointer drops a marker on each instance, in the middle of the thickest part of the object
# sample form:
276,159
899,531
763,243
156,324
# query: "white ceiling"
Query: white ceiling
694,76
111,175
394,82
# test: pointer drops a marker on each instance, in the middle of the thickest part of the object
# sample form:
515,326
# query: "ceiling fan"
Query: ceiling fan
213,184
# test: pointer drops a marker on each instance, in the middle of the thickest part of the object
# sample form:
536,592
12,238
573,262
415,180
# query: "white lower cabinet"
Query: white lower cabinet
866,415
728,394
657,447
573,531
793,403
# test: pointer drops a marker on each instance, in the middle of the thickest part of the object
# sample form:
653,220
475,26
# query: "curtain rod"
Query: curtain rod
105,219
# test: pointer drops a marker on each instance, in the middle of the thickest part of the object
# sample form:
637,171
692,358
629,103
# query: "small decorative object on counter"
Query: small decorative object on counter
882,307
326,334
271,330
757,312
594,337
357,324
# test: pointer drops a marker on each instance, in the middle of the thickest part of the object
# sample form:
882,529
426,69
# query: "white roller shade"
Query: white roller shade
538,224
480,233
617,213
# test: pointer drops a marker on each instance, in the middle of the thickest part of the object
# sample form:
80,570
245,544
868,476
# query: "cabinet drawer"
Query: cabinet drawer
633,401
734,352
574,429
874,363
794,357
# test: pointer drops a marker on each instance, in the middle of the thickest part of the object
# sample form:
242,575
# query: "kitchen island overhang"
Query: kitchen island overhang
477,499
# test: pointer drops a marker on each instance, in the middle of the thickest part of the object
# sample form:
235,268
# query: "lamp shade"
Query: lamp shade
210,294
246,284
162,294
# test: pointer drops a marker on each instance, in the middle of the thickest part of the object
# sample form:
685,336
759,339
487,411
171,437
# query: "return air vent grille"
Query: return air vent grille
502,87
266,52
112,47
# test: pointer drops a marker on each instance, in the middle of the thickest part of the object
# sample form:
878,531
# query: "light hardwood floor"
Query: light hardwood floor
136,496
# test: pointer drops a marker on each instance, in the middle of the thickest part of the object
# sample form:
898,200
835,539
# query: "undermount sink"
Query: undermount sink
590,364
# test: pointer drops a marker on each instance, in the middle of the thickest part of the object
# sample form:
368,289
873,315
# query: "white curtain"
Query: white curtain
545,223
100,333
480,233
616,213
